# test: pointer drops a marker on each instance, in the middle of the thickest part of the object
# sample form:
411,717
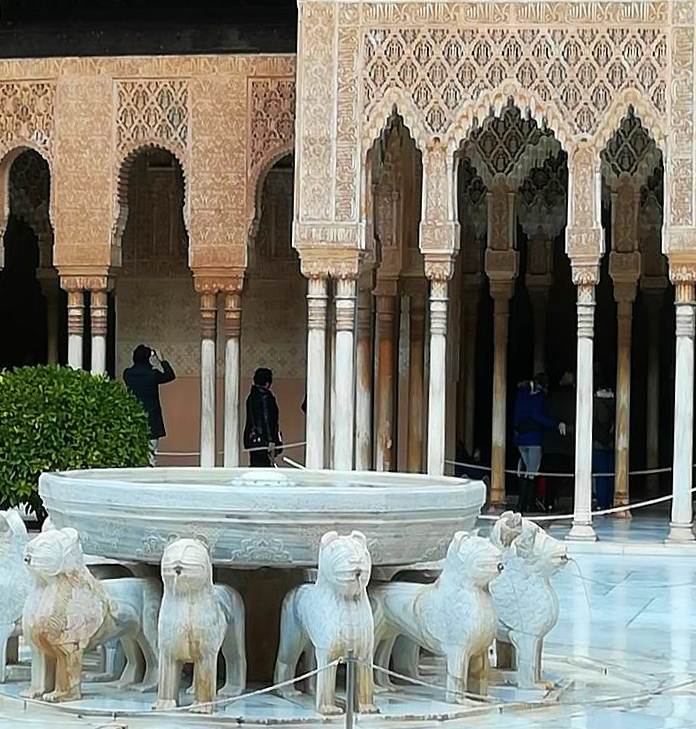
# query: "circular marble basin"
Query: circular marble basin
260,517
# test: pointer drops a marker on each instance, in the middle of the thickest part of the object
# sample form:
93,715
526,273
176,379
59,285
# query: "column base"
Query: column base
680,533
623,515
581,533
495,509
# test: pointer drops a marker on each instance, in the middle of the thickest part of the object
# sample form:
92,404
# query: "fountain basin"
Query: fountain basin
253,518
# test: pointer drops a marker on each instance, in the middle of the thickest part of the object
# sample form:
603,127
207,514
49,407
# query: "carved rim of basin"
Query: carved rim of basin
260,517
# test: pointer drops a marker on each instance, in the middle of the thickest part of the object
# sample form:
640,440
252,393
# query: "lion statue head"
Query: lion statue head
344,562
539,550
13,534
506,529
186,565
53,553
472,559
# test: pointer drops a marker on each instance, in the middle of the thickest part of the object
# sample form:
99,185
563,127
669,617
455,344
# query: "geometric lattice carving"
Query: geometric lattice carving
501,141
630,151
26,113
271,119
581,71
472,201
152,110
654,188
543,197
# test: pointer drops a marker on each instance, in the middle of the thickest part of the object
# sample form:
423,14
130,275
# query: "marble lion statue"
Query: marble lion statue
197,620
68,611
332,615
15,582
523,596
452,617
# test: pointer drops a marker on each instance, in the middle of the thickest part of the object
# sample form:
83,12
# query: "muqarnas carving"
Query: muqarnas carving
68,611
332,617
524,598
452,617
197,620
15,582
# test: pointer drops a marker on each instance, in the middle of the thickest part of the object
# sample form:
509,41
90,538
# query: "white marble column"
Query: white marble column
385,387
363,385
681,524
344,378
439,275
99,322
316,370
208,313
76,323
585,279
233,331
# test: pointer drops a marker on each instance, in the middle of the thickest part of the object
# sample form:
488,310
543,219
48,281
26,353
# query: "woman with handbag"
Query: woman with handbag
261,432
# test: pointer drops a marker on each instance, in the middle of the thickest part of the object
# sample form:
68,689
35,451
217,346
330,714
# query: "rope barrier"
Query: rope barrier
192,454
549,474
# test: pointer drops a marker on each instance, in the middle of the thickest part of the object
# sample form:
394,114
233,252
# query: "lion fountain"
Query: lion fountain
452,617
68,611
198,619
523,596
334,616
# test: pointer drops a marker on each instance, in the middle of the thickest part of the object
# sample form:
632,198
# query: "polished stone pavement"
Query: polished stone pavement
622,655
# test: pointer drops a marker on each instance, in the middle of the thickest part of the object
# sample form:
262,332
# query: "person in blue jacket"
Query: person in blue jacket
531,420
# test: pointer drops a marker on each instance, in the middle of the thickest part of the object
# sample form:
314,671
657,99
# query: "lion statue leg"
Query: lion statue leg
234,648
478,674
43,675
383,654
205,681
366,688
68,675
326,685
293,642
528,650
405,657
6,632
169,678
134,663
457,675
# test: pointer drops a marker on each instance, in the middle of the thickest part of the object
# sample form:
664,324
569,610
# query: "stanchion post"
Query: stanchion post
350,689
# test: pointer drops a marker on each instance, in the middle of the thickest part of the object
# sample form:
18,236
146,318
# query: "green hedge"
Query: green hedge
57,419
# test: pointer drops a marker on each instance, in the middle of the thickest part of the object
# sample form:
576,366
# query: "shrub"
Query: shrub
57,419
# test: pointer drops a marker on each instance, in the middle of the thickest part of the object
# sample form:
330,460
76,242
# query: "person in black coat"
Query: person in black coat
261,432
143,380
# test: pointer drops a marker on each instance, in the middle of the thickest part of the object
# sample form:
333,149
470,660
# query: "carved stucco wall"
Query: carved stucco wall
576,65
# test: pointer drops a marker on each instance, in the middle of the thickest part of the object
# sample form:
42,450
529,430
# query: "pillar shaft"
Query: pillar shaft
501,313
386,385
623,403
539,298
208,316
363,385
316,370
652,445
76,323
682,516
416,376
582,516
344,375
233,330
437,394
99,321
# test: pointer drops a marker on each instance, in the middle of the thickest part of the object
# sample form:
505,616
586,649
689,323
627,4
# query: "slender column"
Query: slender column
363,386
539,276
501,292
585,279
344,376
623,404
415,382
208,312
439,273
316,369
652,446
233,331
98,314
681,525
76,323
386,372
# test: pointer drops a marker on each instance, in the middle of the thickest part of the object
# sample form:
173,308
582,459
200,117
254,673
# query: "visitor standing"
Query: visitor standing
530,422
262,436
603,446
143,379
559,450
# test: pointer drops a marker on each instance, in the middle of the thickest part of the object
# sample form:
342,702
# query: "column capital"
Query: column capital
585,273
501,265
208,313
439,236
233,314
584,243
85,281
624,269
439,267
214,281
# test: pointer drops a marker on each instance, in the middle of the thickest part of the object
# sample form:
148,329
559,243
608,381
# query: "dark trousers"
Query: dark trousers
556,463
260,459
603,462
